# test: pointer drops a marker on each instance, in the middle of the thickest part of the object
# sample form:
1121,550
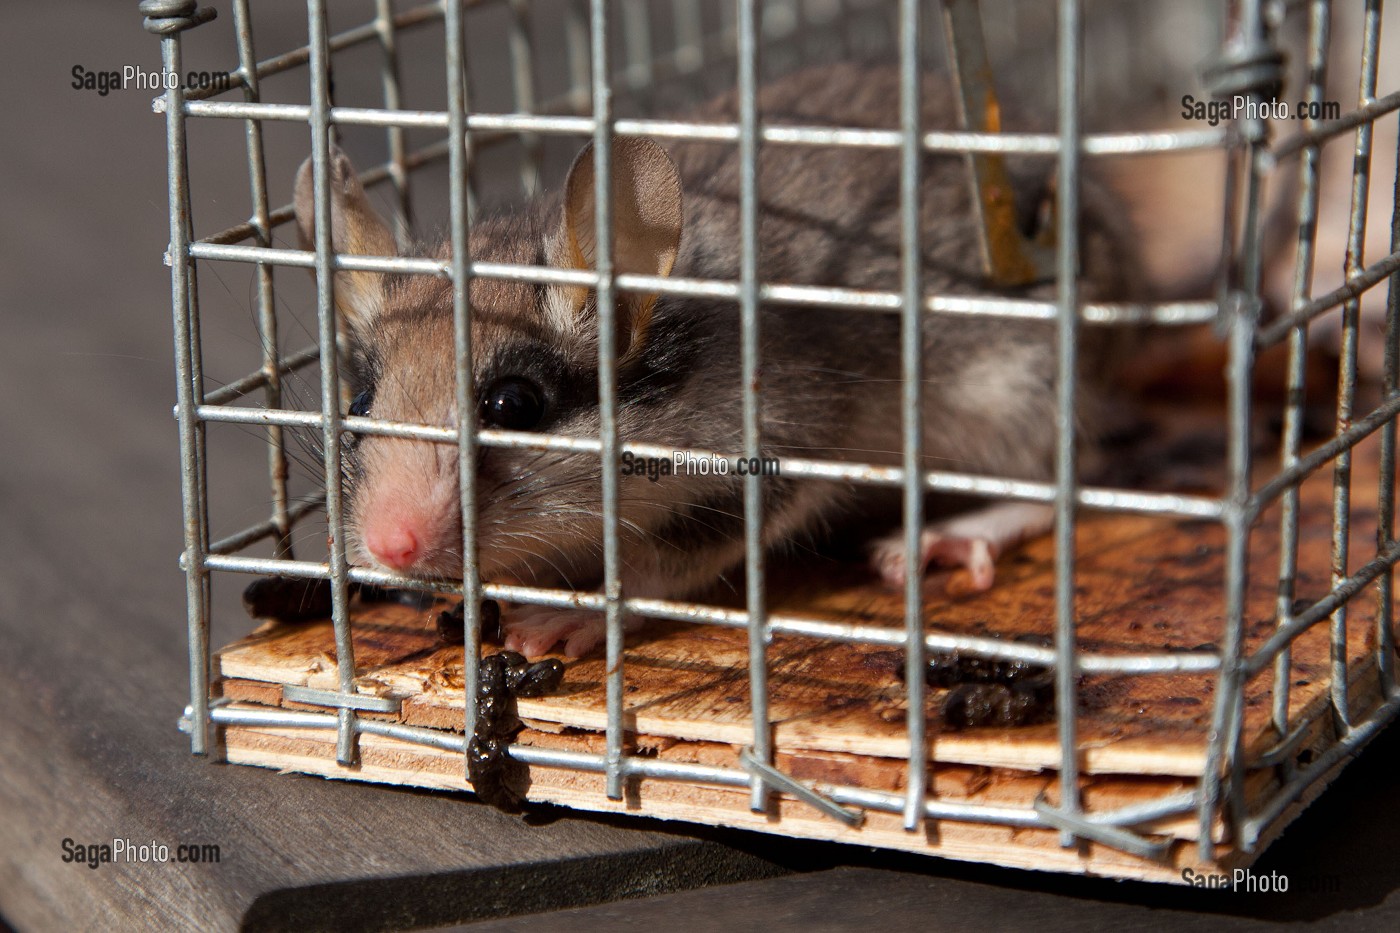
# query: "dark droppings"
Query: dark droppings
1026,702
289,599
292,599
955,669
497,778
991,692
531,680
452,623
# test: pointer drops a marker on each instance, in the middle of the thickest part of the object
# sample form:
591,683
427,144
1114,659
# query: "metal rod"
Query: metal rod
1100,498
1070,39
1385,505
267,309
747,14
1223,772
1348,745
188,392
1295,397
1353,287
330,375
522,61
1342,592
614,610
545,122
1110,313
459,168
1195,662
1346,377
639,75
1009,258
1367,114
911,410
882,801
260,378
263,530
784,782
387,32
367,32
1321,455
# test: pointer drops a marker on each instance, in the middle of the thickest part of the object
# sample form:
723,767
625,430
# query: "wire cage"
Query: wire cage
623,63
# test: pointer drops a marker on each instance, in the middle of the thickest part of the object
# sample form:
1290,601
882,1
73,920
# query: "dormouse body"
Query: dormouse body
830,377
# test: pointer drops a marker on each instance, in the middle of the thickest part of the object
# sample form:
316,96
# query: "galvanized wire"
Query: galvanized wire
459,164
331,437
189,382
747,13
1068,61
1291,442
267,310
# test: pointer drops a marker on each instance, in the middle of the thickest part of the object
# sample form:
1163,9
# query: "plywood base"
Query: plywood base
837,710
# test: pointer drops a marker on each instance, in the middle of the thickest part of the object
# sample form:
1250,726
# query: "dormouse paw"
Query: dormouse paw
935,547
973,541
535,630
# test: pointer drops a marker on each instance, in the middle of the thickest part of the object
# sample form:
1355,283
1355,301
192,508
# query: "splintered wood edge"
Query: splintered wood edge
951,782
1036,751
391,761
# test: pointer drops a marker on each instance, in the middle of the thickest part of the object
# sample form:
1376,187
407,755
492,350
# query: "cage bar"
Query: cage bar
614,610
747,14
346,748
387,31
189,385
1291,443
460,160
267,310
1070,38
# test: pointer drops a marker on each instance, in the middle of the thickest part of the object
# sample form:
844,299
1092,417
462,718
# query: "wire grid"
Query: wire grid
587,111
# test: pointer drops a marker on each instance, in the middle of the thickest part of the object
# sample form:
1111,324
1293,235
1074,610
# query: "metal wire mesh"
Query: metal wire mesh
732,38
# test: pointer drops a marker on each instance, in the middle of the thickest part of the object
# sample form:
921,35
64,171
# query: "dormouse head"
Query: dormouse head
534,359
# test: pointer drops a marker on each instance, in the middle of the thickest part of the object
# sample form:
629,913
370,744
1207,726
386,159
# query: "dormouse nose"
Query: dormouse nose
394,543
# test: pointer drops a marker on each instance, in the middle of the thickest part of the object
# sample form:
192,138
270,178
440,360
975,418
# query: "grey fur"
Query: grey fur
830,378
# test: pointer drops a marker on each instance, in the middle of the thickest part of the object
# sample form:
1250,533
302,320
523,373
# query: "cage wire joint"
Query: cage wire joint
168,17
808,795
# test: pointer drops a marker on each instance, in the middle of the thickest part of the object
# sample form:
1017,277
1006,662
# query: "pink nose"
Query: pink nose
393,544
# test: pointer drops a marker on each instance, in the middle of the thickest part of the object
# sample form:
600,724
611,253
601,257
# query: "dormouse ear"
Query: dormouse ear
355,229
647,215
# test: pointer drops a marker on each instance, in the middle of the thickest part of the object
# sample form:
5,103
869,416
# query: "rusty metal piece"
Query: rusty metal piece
1009,258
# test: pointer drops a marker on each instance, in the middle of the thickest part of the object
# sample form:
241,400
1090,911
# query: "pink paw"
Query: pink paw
978,555
535,630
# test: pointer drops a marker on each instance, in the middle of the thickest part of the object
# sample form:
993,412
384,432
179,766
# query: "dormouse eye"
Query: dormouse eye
513,403
359,405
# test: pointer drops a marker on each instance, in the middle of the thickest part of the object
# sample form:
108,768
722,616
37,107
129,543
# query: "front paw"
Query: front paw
535,630
977,555
973,540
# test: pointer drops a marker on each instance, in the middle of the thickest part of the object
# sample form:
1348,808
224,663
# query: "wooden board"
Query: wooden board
1146,584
